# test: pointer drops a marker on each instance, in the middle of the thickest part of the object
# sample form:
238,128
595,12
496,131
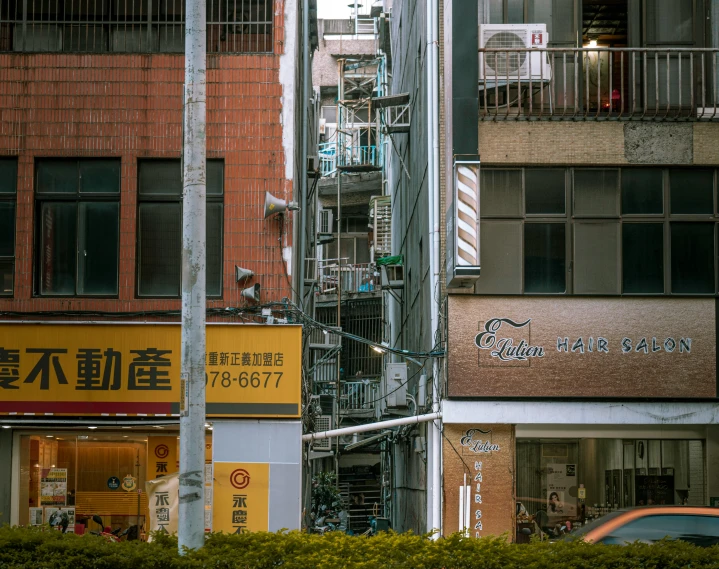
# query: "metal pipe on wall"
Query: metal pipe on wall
435,465
191,526
303,168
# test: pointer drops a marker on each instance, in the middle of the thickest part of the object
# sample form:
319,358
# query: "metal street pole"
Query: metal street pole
191,523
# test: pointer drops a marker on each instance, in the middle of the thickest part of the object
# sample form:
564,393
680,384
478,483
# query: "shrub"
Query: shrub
22,548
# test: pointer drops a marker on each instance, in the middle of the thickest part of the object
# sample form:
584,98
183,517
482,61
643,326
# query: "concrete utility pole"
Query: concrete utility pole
191,523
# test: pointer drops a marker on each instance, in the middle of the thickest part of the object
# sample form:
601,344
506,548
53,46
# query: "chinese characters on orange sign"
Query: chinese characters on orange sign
96,369
241,497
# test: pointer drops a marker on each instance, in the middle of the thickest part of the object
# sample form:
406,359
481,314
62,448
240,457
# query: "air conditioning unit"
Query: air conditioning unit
395,385
323,423
514,66
325,220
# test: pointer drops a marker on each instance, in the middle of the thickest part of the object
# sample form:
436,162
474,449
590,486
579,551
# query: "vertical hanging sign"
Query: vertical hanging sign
463,224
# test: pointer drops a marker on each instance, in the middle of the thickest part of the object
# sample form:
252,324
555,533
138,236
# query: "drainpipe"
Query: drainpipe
303,169
413,420
435,465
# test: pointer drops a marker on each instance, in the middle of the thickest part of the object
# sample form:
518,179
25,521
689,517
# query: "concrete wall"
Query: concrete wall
324,68
5,475
410,224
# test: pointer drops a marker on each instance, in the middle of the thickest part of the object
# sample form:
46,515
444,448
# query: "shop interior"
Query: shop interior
93,475
566,483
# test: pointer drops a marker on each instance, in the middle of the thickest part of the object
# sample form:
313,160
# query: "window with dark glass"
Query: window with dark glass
544,258
692,258
544,190
598,231
642,191
159,228
78,226
692,191
643,258
8,200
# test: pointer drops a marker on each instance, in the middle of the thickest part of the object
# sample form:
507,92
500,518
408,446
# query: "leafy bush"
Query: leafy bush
36,549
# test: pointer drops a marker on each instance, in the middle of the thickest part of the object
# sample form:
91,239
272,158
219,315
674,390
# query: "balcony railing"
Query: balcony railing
328,158
355,278
594,83
359,396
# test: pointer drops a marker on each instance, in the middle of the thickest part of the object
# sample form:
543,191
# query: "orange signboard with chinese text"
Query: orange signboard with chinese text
241,497
134,369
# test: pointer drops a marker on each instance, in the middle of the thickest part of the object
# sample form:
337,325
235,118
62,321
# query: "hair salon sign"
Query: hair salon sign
504,340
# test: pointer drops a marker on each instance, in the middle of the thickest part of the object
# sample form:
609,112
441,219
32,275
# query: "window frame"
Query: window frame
166,198
78,197
11,198
666,219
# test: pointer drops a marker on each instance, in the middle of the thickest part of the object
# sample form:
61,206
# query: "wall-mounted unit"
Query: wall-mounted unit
392,276
325,222
395,385
381,222
522,60
322,423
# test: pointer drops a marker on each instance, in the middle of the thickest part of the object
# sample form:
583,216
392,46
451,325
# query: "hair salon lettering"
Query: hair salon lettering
477,445
505,349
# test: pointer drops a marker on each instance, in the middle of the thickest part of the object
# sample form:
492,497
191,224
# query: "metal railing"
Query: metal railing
132,26
594,83
359,395
355,278
359,156
328,158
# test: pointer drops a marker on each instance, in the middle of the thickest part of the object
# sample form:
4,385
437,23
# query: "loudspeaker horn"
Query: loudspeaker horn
275,205
253,292
242,274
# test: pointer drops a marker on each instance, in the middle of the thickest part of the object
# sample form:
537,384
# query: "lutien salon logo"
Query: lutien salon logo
510,341
504,348
478,445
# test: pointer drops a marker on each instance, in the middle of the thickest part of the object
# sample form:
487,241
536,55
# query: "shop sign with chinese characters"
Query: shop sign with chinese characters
241,497
134,369
161,456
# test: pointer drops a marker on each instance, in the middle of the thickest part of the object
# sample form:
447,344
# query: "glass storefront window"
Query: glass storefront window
78,474
570,482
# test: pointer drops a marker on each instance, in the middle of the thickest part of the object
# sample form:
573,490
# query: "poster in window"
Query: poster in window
561,490
53,487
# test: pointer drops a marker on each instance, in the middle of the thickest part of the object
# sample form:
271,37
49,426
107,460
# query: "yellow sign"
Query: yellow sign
134,369
161,456
241,497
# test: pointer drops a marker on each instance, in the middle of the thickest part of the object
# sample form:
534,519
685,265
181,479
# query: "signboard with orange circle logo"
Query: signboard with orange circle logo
241,497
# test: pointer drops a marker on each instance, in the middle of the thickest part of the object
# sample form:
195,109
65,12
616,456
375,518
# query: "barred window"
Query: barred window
132,26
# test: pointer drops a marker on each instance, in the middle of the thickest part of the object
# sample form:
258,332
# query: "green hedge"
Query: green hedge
35,549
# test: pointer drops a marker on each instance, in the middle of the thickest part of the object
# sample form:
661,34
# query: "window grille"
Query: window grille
132,26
